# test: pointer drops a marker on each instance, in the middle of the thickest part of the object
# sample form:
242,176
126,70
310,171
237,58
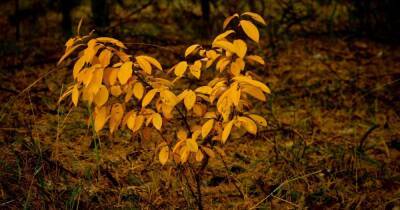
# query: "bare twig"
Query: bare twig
7,202
151,45
133,12
230,176
282,184
366,134
286,201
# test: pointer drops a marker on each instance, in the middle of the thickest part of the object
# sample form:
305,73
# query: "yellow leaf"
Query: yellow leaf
153,62
125,72
182,95
101,96
90,52
157,121
138,90
105,57
255,58
96,80
255,83
148,97
86,75
192,145
129,92
209,115
224,100
144,64
163,155
66,93
196,133
227,131
168,98
138,122
180,68
122,55
110,76
250,30
228,20
254,92
178,146
202,52
181,134
204,90
100,118
126,117
211,54
248,124
87,96
130,121
226,45
206,128
184,153
199,156
70,43
191,49
78,67
258,119
115,90
208,151
149,115
237,66
198,110
162,82
222,63
218,81
75,95
241,47
167,111
235,97
190,99
223,35
112,41
205,98
255,17
117,112
68,53
195,69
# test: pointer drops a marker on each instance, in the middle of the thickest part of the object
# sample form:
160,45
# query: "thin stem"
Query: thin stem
183,116
229,176
188,184
282,184
95,139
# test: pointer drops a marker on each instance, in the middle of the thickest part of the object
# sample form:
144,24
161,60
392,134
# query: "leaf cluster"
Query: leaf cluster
135,92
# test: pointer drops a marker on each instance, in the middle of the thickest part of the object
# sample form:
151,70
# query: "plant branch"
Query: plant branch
366,134
282,184
230,176
183,116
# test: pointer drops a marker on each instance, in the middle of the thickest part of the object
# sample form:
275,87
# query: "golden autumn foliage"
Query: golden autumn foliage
134,92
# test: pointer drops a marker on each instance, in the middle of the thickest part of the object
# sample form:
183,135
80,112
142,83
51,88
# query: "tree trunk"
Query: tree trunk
205,10
100,14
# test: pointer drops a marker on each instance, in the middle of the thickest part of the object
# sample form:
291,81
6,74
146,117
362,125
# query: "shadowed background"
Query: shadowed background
333,67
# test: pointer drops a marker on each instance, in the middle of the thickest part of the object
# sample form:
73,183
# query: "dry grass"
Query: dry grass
327,95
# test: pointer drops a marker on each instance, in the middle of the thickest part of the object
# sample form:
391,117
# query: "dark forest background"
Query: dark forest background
333,135
33,26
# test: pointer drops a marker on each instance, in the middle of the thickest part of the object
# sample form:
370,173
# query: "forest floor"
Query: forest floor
333,141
